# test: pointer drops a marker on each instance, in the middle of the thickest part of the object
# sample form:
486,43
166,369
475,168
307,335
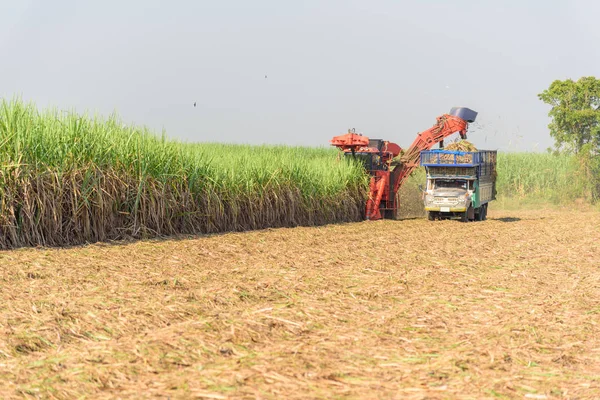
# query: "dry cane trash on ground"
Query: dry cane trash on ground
506,308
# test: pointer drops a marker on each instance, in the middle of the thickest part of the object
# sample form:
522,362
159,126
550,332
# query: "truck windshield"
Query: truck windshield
450,184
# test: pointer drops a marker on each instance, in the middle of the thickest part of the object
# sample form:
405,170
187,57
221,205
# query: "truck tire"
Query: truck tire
471,213
479,214
431,215
465,216
484,212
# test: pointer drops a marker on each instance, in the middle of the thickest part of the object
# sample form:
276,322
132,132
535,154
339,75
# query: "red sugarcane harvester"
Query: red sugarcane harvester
390,166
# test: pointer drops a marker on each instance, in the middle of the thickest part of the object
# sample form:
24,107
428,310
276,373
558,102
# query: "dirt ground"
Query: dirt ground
506,308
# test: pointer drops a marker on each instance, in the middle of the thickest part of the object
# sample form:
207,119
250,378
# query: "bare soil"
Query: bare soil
506,308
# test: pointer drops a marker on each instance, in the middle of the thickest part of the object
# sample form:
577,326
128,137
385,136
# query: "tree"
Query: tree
575,114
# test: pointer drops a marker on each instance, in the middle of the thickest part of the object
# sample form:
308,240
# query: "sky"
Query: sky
387,68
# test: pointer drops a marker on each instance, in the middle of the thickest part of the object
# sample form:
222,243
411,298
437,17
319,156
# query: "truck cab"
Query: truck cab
448,197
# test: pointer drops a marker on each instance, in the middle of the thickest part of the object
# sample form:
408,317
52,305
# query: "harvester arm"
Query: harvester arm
446,125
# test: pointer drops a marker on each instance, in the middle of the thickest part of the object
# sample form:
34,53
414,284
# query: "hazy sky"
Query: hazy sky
385,67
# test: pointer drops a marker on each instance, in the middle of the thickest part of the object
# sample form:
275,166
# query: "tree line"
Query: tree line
575,123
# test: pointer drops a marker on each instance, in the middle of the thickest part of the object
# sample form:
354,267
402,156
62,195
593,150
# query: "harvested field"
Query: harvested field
506,308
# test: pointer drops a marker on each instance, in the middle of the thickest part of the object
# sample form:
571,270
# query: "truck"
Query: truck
459,183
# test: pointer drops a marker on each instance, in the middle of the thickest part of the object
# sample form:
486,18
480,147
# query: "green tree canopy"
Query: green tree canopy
575,114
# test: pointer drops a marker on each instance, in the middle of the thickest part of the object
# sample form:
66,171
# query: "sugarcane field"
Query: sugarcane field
278,200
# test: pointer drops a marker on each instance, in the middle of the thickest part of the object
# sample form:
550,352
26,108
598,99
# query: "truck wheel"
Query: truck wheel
471,213
484,212
464,216
431,215
479,214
